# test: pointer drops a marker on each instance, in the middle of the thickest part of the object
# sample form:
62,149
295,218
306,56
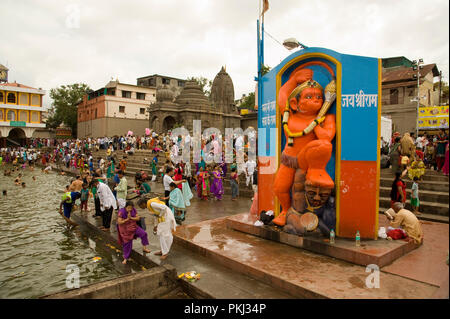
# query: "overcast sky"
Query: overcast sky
51,43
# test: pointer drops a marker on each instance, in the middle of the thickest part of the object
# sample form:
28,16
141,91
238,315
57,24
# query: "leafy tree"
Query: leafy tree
444,91
248,102
265,69
64,106
204,83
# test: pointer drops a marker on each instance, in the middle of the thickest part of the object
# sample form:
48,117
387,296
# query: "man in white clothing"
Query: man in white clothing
249,170
107,203
166,223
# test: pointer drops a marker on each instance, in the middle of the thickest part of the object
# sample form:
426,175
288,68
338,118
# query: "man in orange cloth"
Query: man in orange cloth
309,132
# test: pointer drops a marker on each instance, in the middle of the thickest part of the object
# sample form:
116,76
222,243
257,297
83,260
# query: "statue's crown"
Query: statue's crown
307,84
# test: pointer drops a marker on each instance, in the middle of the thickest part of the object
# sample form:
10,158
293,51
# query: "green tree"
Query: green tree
248,102
204,83
64,106
444,91
265,69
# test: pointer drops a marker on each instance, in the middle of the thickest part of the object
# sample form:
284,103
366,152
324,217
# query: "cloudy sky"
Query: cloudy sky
50,43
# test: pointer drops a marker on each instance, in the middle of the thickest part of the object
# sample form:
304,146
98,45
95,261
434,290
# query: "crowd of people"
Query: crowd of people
102,178
417,153
411,157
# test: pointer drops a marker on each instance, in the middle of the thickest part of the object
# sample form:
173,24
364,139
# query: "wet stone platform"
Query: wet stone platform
298,272
377,252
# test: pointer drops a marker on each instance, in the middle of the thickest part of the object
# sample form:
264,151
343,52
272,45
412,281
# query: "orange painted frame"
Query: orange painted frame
338,119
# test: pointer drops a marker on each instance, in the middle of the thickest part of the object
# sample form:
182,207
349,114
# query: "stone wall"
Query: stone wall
110,127
149,284
250,119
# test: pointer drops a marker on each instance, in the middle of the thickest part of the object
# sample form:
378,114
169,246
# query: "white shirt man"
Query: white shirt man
107,203
166,182
249,170
102,164
166,224
107,199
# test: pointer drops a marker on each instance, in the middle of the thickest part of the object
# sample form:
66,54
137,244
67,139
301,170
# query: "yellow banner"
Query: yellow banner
433,111
436,122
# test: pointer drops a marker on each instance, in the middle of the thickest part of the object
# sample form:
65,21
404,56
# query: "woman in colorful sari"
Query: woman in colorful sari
217,185
127,230
417,169
178,174
203,181
176,203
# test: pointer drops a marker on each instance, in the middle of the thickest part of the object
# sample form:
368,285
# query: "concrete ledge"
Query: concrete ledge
378,252
152,283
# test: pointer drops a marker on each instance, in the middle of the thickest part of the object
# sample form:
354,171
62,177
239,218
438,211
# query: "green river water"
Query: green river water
35,244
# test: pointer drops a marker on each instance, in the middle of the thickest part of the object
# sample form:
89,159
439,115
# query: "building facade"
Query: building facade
157,81
114,110
399,92
20,111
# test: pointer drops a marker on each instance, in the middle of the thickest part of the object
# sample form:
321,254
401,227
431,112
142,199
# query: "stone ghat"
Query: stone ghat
378,252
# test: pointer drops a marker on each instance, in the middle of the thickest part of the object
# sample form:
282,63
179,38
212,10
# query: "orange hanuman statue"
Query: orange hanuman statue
309,132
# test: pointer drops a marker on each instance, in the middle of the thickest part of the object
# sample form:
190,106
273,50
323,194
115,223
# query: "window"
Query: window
35,100
11,116
1,97
35,117
23,99
23,116
142,110
11,98
181,83
394,96
1,115
140,96
121,109
126,94
165,81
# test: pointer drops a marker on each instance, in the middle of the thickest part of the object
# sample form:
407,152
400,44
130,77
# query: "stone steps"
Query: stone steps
425,207
430,196
423,216
425,185
426,177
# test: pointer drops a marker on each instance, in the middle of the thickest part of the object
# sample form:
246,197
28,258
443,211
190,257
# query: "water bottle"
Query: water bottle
332,235
358,239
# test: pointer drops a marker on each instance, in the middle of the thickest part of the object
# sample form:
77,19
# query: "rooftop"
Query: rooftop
162,76
17,85
406,74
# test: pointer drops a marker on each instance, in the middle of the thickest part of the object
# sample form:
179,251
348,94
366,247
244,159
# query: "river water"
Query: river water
36,247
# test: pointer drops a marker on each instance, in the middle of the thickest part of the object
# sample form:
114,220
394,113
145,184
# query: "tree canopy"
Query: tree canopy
204,83
444,91
248,102
64,106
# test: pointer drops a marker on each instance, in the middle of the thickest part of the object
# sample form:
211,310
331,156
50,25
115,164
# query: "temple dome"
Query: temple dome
222,92
164,94
192,95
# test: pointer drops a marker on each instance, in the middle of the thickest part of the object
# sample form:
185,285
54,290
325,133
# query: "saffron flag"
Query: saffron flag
265,6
